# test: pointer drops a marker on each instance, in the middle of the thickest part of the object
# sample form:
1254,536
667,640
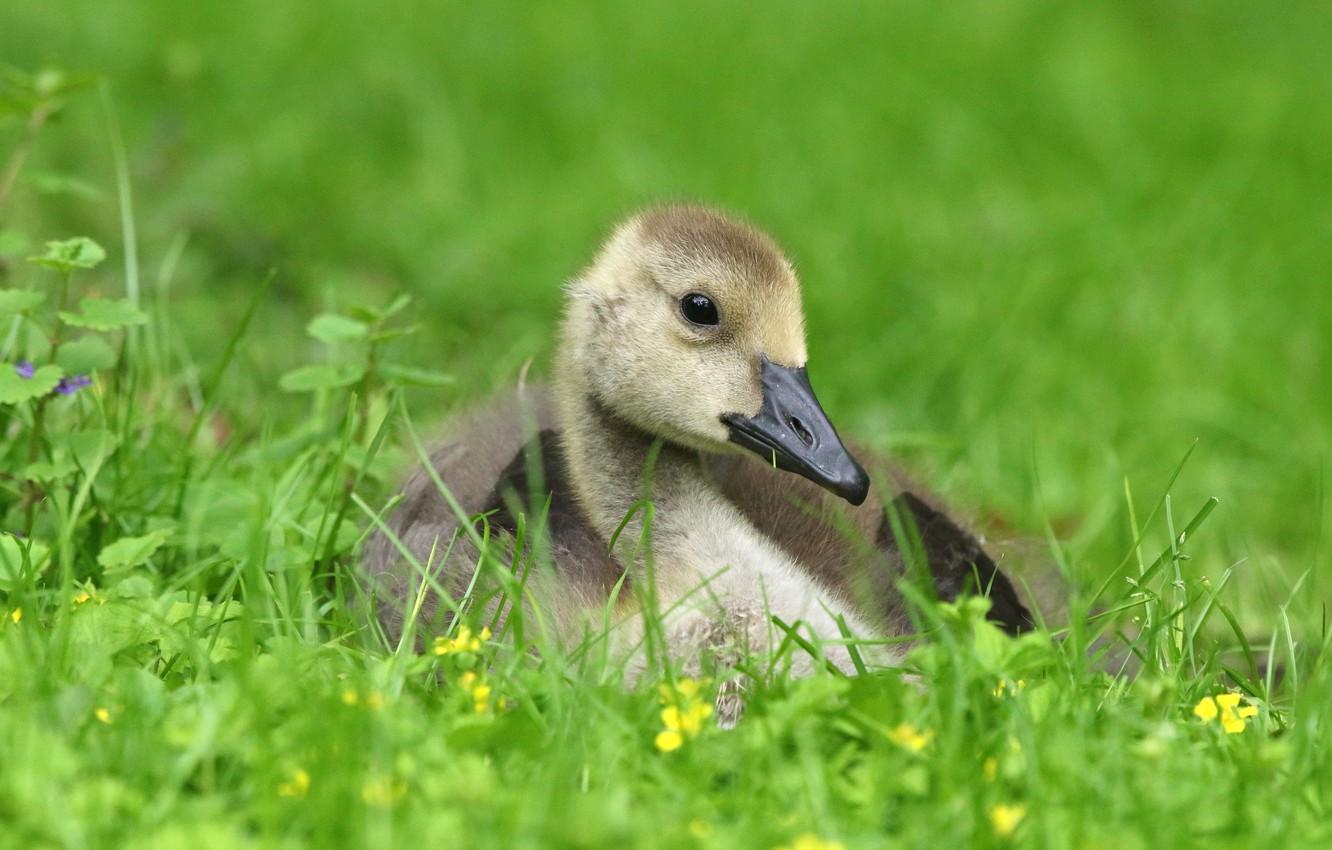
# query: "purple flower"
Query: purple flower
24,369
69,386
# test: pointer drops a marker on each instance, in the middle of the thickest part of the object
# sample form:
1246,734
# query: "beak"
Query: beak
793,432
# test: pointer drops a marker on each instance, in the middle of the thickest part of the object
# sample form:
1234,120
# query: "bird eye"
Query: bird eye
699,309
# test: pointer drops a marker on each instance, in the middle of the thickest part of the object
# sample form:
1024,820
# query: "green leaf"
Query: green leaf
394,333
324,376
89,449
331,328
991,646
132,585
49,470
105,314
11,560
129,552
378,314
1039,699
14,301
195,616
411,376
86,354
396,306
14,389
70,254
101,630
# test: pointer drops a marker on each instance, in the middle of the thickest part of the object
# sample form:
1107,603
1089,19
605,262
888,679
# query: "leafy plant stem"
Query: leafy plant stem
32,491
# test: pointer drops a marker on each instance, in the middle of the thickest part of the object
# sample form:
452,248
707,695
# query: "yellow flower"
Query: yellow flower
103,715
1005,819
1005,685
908,737
481,698
688,721
349,697
463,641
383,791
1205,710
1234,717
687,688
296,786
16,615
810,841
374,700
1227,701
478,690
683,714
82,597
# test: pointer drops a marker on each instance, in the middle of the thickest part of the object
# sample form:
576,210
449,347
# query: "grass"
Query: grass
1068,263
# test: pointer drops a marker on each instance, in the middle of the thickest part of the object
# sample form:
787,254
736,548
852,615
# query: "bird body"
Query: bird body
679,383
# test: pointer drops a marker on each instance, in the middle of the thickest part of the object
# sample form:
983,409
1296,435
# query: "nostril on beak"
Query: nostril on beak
800,430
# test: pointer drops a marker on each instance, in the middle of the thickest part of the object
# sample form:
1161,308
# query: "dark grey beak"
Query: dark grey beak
792,431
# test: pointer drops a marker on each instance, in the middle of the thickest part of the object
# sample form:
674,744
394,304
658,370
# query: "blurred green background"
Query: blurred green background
1045,246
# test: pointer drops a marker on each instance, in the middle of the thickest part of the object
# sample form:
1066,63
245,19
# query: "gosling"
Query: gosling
679,381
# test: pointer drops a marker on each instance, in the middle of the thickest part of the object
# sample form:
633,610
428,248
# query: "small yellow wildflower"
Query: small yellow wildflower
16,615
383,791
683,689
81,597
103,715
478,690
1234,717
374,700
1010,687
683,714
1227,701
350,697
688,721
463,641
481,698
1005,819
908,737
296,786
1205,710
810,841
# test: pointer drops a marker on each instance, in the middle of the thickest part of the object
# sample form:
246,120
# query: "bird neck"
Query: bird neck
702,555
615,465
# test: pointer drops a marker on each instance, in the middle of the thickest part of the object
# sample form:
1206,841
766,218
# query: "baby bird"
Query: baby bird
680,462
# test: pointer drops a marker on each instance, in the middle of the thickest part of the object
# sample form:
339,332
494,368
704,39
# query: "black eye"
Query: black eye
699,309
